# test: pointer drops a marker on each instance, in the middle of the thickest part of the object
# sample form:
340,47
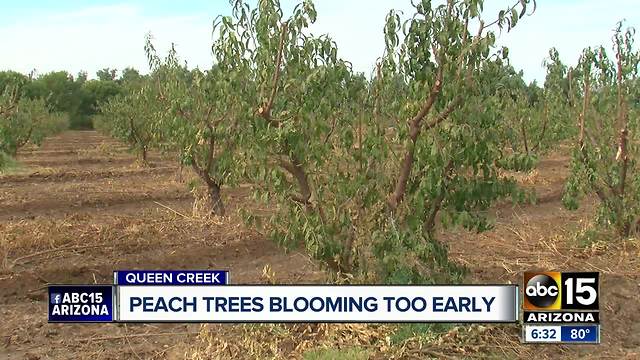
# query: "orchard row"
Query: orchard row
23,121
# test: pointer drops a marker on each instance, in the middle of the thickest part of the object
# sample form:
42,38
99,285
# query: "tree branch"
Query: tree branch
585,158
7,111
211,149
333,127
545,120
414,131
507,12
623,124
295,168
265,110
26,138
444,114
581,117
430,222
13,103
134,135
202,173
525,140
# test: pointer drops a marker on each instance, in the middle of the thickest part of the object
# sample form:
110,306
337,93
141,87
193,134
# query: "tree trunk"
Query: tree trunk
217,206
524,136
143,156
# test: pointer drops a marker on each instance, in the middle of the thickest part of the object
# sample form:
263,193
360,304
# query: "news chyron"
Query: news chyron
561,307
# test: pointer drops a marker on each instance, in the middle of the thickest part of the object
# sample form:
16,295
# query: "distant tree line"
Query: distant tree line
64,93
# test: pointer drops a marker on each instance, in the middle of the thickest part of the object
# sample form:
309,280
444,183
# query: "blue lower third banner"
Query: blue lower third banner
81,303
318,303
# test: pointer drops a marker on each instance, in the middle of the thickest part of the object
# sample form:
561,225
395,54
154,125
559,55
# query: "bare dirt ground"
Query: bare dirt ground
79,207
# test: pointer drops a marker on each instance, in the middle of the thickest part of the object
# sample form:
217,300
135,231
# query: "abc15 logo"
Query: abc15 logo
561,291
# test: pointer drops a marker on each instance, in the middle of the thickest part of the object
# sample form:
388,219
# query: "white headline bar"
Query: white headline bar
309,303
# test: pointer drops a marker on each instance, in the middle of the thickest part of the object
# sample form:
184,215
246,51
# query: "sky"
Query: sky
83,35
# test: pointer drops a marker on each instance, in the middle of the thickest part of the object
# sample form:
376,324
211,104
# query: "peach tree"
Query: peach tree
27,121
362,172
607,150
23,121
522,128
206,111
534,120
131,117
558,101
8,100
449,147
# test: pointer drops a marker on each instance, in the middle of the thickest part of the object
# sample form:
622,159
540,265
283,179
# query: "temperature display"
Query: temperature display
585,334
562,334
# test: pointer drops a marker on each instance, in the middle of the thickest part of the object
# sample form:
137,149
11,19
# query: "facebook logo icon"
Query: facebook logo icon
56,299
